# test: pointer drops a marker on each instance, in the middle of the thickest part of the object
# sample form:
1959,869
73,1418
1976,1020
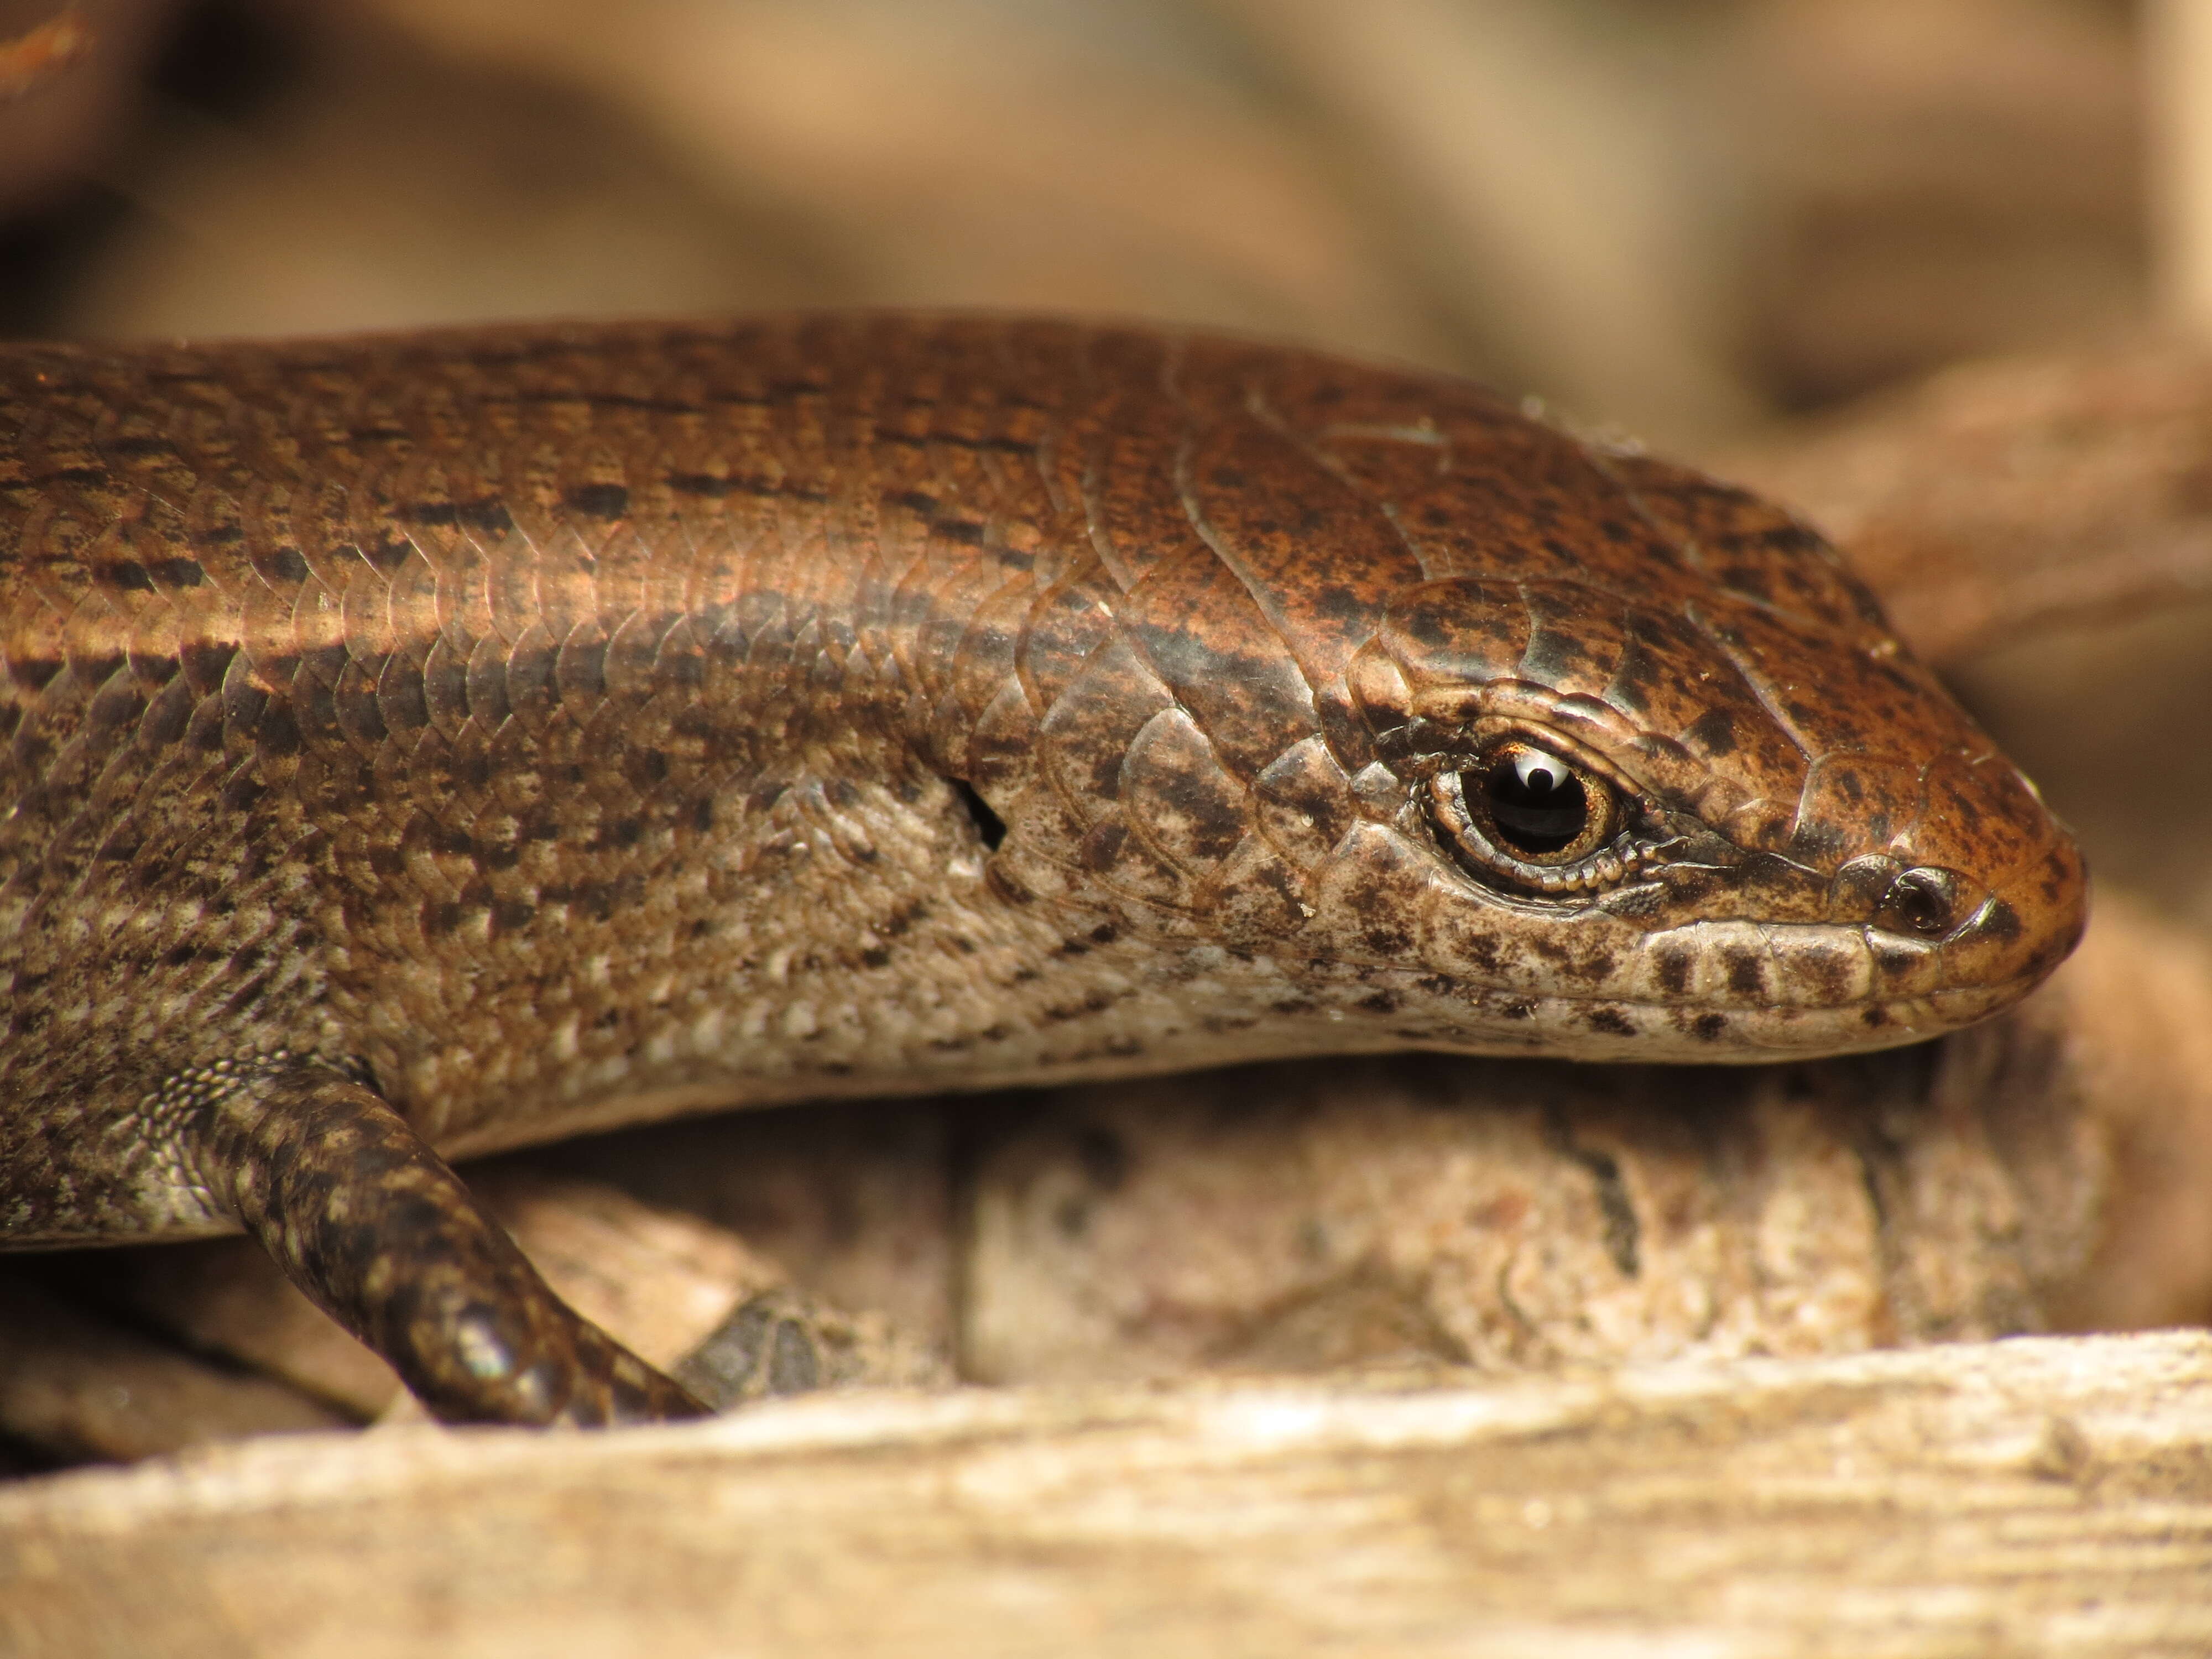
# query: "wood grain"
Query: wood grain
2046,1496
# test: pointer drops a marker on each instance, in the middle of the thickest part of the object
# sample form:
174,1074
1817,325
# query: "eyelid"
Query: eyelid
1464,746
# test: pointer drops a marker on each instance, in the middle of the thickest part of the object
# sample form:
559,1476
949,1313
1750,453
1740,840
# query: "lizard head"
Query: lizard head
1461,733
1733,814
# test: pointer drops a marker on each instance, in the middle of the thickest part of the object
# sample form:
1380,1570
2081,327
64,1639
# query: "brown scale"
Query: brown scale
420,745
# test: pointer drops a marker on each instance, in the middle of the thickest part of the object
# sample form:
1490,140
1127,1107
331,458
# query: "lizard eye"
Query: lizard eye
1526,813
1537,804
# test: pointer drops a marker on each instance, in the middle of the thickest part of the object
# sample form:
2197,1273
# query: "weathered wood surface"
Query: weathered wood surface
2046,1496
80,1387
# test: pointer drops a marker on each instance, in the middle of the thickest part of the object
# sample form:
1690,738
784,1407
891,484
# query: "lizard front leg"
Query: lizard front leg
381,1234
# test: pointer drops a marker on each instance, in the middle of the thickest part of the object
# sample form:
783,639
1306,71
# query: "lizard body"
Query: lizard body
412,745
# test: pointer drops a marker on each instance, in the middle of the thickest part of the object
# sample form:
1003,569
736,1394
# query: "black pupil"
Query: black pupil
1542,815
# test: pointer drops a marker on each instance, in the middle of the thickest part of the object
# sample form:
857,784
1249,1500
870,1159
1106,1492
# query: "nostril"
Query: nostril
1923,901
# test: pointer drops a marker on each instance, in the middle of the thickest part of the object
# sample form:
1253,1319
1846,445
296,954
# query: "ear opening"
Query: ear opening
990,827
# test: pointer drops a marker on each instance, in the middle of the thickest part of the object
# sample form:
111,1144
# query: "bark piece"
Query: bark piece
2052,1496
694,1297
852,1198
76,1387
224,1296
658,1281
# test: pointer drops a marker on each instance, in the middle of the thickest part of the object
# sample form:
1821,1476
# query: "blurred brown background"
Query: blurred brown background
1682,215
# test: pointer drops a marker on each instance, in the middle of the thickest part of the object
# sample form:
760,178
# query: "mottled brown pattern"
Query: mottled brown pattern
472,737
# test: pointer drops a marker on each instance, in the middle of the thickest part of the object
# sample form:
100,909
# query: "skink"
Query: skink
412,745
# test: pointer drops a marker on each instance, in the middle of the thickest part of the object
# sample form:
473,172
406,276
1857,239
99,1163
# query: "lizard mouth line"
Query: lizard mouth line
1805,936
